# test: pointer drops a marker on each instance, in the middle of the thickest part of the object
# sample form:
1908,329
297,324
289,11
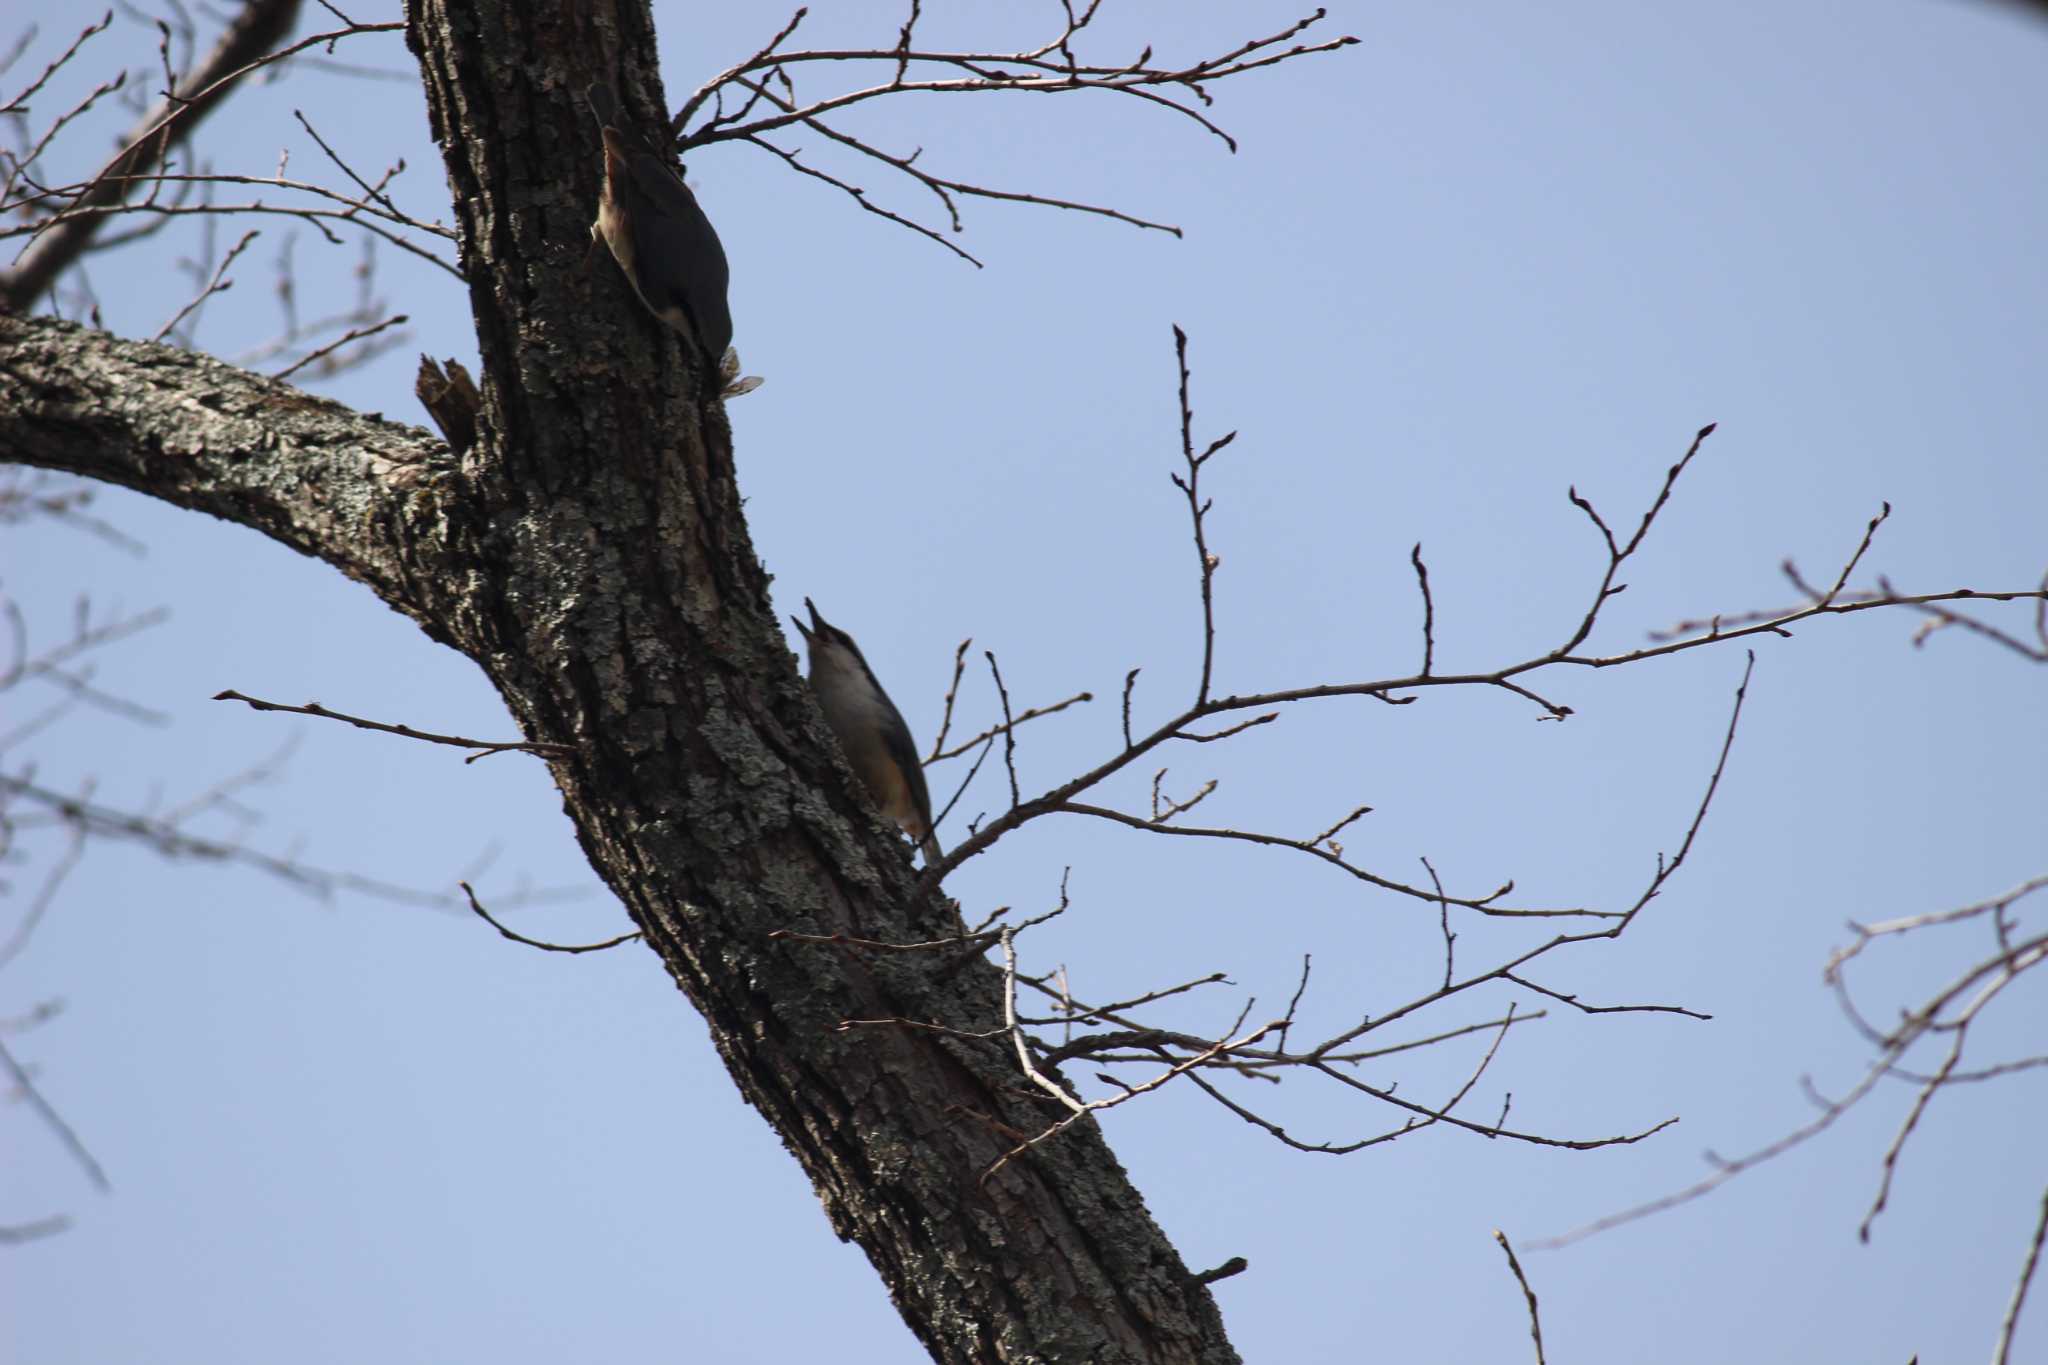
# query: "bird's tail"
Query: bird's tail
932,856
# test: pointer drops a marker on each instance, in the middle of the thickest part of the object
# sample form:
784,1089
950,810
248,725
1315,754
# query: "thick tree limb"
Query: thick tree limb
213,438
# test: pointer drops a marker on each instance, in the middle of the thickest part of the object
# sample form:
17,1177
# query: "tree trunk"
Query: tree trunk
589,553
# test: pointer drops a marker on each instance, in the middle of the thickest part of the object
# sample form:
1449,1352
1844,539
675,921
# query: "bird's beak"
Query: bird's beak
817,624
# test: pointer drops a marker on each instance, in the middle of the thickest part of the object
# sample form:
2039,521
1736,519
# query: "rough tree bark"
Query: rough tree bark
589,553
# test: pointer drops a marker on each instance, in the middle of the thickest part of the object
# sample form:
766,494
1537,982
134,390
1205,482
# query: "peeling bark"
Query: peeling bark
589,553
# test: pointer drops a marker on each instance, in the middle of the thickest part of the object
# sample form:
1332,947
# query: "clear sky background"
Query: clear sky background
1490,252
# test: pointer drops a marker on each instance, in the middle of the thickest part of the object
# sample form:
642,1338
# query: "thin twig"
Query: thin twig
1038,1078
45,895
1009,728
353,334
217,285
484,747
1535,1323
979,938
1130,683
1484,904
1869,534
168,841
64,1131
370,192
793,159
952,694
1986,979
15,1233
2002,1353
1031,713
987,747
1198,512
765,79
1443,922
1428,610
171,122
485,915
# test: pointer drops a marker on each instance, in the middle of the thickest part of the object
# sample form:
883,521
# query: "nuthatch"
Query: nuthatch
870,729
659,236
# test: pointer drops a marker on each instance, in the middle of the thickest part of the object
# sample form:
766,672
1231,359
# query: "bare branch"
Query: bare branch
952,694
1948,1012
1179,1068
1584,1008
352,214
767,78
1443,922
169,841
1198,512
14,1233
1030,71
19,104
1024,1063
1618,555
1938,616
53,881
1869,533
19,500
2002,1353
484,747
1032,713
217,285
1072,1014
987,747
352,335
945,190
371,193
794,161
26,1087
485,915
1322,851
1130,683
981,936
56,666
1009,727
1535,1323
260,24
1428,610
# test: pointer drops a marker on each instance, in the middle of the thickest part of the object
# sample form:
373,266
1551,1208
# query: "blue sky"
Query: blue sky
1488,253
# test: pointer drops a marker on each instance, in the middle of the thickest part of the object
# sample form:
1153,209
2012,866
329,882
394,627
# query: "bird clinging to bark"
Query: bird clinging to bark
870,729
660,237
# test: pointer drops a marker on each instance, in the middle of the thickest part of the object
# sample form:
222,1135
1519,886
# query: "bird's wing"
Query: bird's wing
669,220
904,753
